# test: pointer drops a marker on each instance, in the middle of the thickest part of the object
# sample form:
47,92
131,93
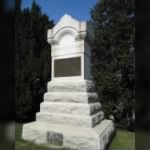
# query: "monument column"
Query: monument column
70,115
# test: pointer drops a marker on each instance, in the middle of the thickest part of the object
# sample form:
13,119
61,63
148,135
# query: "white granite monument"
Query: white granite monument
70,115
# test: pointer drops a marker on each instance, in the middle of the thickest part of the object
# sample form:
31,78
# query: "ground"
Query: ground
122,140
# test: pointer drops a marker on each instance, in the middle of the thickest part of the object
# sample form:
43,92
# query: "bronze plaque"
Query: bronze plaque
67,67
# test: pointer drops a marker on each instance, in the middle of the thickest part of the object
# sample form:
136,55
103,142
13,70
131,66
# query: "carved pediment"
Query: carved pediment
68,27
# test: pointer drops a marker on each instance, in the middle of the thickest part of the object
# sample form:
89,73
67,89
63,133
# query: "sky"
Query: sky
55,9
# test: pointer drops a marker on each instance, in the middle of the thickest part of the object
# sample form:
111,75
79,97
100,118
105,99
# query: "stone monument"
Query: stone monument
70,115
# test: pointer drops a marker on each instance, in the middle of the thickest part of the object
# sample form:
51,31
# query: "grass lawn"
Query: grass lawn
123,140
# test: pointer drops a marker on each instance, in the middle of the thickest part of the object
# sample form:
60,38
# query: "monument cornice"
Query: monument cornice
68,25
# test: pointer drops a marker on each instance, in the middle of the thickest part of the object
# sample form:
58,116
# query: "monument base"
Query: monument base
78,138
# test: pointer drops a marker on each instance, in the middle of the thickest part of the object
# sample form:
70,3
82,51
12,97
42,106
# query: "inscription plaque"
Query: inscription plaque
55,138
67,67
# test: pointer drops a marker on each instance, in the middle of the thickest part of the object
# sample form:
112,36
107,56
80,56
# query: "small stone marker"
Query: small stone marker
70,115
54,138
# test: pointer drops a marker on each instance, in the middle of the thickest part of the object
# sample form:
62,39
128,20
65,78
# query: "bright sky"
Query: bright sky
55,9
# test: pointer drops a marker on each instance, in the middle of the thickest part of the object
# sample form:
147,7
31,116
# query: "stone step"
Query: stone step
73,120
70,108
71,86
68,136
75,97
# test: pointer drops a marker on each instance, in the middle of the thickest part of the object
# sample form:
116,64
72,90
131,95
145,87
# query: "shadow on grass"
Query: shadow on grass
111,139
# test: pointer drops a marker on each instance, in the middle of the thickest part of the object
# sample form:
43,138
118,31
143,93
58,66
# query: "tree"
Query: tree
113,56
32,59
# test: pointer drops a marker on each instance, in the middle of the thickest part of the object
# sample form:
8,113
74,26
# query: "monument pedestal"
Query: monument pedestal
70,116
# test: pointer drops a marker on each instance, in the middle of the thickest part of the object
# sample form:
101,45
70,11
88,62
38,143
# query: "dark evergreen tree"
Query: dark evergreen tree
33,61
113,57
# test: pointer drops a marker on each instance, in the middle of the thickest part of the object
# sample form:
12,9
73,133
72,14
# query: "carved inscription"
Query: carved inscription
55,138
67,67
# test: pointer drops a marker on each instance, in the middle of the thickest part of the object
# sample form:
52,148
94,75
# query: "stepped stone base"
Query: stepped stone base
77,138
70,116
71,108
64,97
71,86
73,120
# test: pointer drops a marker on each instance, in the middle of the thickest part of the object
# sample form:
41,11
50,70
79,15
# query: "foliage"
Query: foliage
113,57
32,59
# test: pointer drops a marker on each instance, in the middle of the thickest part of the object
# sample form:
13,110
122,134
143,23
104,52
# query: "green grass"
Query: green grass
123,140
